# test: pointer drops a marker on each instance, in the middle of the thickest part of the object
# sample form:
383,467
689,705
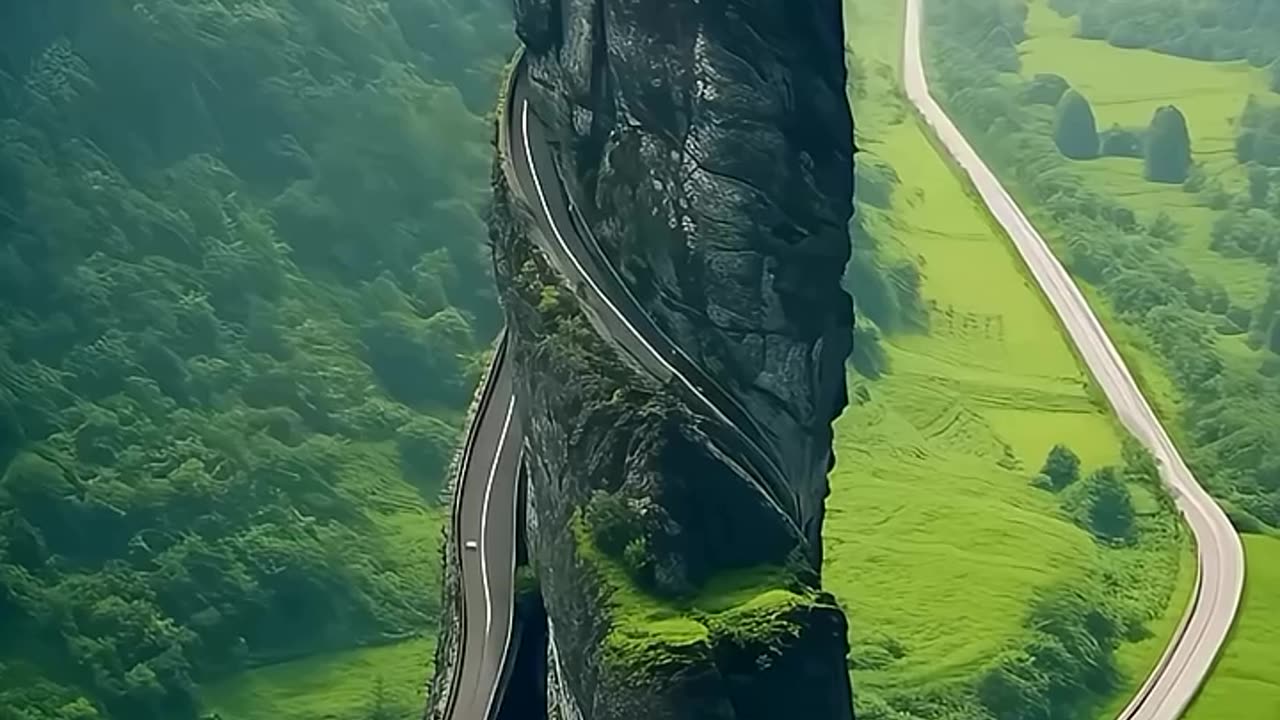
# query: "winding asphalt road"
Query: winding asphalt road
1177,678
485,514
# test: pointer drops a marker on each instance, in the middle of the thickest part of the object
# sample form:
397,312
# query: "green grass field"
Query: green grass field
336,686
935,540
1126,87
1246,681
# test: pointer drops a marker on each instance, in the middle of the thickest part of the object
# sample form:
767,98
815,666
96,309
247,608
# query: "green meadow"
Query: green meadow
349,685
1125,87
1246,681
936,542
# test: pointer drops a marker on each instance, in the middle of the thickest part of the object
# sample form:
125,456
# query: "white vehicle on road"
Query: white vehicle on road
471,545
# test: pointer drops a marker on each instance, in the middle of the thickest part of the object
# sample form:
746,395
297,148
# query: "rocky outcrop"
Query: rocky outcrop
709,145
672,590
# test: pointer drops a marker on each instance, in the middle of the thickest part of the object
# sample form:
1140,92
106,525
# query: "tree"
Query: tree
1121,142
1061,468
1168,150
1075,130
1045,89
1102,504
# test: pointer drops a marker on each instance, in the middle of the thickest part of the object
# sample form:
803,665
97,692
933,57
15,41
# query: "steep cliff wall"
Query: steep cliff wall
710,145
673,591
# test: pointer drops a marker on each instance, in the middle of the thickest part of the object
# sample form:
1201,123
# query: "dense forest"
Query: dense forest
244,296
1231,409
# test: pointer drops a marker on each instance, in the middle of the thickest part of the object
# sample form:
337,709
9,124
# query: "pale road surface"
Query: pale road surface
485,513
1187,662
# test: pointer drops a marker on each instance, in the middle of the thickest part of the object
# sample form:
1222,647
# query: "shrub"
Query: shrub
1075,130
426,446
1045,89
1102,504
1061,468
1168,147
1121,142
613,522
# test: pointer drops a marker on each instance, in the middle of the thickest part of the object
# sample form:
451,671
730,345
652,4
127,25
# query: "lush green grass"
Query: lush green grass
337,686
1126,87
935,540
1246,682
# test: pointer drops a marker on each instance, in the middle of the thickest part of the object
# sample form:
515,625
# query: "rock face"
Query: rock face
709,144
709,147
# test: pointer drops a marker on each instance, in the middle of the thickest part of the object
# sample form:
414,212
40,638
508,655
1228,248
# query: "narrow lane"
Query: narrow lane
1177,678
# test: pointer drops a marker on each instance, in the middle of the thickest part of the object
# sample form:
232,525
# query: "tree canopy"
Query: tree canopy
243,290
1168,147
1075,130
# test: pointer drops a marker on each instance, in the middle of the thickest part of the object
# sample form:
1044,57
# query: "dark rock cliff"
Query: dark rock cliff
709,144
710,148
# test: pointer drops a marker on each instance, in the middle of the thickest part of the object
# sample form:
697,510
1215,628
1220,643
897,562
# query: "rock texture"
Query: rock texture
710,146
718,616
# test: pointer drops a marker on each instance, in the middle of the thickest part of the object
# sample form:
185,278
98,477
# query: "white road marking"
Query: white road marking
484,518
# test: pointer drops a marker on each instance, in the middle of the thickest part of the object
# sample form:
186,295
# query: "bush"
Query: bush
1102,504
1045,89
1168,147
613,522
1075,131
426,446
1121,142
1061,468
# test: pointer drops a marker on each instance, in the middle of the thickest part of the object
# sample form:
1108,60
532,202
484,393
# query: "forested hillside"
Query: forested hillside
244,295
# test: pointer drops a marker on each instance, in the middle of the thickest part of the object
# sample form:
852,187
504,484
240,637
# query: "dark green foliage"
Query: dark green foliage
613,521
1198,29
1046,89
1260,182
221,315
1168,146
1102,504
1259,137
1248,233
1075,131
1121,142
1061,468
426,447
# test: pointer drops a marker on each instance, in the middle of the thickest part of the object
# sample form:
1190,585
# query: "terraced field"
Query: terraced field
936,542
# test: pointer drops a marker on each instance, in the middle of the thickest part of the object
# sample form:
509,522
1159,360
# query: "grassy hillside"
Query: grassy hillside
1199,392
1246,681
936,539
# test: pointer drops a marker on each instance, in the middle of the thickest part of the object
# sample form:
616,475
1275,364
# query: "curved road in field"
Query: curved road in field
1190,656
489,473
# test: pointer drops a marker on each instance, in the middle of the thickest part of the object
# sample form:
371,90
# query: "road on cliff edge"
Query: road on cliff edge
489,472
1186,663
485,514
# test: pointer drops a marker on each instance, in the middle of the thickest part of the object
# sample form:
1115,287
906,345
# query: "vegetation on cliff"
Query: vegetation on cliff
243,289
